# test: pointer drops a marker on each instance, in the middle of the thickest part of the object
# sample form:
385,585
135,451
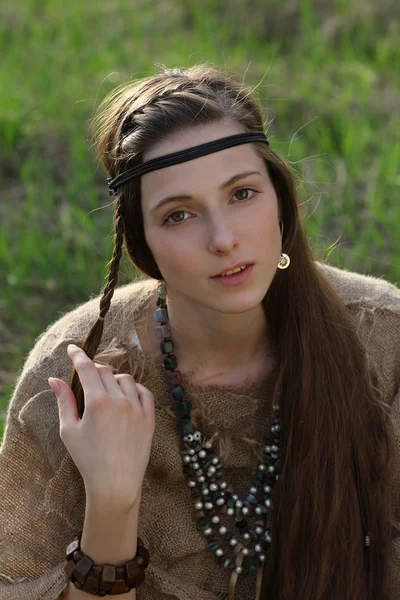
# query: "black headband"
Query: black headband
182,156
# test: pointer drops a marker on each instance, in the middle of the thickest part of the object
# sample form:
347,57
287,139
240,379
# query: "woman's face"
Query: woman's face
212,224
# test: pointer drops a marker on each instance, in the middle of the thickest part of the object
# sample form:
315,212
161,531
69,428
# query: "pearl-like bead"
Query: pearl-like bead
246,536
219,552
220,501
259,530
268,503
267,449
267,489
253,490
271,469
275,448
215,519
268,537
215,460
262,557
245,510
245,551
208,505
191,451
238,569
222,530
233,542
208,444
208,531
230,511
212,470
258,547
235,497
192,484
261,467
213,487
201,479
194,457
238,503
202,453
205,491
223,485
259,510
196,466
198,505
186,458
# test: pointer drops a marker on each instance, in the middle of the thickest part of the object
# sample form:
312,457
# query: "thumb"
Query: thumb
66,401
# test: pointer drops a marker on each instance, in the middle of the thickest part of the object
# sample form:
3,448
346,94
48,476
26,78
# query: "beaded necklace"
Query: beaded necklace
245,549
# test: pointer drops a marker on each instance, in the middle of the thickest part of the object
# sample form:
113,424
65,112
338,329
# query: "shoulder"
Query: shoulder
356,289
373,305
73,326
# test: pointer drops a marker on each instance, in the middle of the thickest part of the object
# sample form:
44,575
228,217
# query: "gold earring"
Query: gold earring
284,261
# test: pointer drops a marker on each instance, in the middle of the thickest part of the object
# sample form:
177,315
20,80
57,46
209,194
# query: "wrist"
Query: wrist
109,536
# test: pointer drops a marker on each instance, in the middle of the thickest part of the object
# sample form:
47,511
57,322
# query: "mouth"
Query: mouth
228,272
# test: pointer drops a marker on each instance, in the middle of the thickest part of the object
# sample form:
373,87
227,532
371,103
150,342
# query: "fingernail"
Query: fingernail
72,346
55,386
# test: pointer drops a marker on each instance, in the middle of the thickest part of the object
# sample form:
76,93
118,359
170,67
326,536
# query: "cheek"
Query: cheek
180,259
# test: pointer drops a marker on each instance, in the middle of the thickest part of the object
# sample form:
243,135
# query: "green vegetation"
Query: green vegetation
325,71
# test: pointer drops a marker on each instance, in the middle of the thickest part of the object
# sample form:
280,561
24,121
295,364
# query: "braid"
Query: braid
92,340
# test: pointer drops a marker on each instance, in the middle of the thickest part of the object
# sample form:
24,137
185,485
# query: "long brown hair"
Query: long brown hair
330,401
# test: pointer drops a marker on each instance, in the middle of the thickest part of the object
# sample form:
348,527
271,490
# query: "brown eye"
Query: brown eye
245,191
176,212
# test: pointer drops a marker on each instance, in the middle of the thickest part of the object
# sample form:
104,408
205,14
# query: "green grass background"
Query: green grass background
327,72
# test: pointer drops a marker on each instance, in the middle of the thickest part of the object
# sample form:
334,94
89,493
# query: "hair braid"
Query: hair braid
92,340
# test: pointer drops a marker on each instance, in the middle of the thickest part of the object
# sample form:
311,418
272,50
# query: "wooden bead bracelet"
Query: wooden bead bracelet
105,580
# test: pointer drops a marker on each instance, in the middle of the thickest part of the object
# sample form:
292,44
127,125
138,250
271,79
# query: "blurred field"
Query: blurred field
326,71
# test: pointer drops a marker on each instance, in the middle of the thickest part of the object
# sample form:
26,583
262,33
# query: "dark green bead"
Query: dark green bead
187,427
230,503
182,409
203,522
178,393
213,548
170,362
166,346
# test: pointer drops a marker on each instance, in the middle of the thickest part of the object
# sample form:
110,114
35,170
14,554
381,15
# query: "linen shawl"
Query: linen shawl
42,496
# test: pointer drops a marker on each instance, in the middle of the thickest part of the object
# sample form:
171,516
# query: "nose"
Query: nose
222,235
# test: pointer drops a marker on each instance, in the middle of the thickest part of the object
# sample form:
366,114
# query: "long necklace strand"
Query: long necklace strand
245,549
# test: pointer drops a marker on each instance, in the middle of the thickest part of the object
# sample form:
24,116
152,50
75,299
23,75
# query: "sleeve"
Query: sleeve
38,518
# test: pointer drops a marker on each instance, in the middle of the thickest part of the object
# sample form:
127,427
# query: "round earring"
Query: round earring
284,261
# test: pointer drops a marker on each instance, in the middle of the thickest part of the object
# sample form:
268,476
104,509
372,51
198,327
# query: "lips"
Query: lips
232,268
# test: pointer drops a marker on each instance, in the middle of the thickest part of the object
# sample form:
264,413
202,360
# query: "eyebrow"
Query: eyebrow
221,187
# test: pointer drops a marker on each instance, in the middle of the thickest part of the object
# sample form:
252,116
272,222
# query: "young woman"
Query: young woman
237,406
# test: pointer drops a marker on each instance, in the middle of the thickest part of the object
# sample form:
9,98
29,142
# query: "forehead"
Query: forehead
209,170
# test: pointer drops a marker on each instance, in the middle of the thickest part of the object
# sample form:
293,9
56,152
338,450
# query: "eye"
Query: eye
246,189
167,221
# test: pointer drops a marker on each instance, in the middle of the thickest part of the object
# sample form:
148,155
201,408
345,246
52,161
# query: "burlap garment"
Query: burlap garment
42,498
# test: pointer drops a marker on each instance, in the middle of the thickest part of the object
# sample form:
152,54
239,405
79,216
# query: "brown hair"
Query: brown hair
330,402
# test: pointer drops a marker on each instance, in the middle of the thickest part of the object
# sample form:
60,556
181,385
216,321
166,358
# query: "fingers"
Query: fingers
100,380
147,401
88,374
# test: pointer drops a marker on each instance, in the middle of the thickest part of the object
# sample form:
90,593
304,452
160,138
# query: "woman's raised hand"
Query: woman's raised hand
111,444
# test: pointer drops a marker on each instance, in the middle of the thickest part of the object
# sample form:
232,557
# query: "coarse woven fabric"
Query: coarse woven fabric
42,496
